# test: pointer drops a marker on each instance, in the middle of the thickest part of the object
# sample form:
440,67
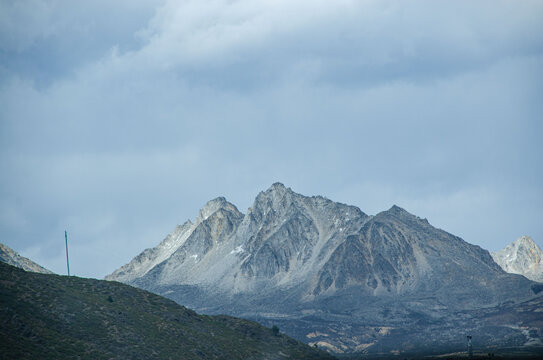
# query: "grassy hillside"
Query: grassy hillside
58,317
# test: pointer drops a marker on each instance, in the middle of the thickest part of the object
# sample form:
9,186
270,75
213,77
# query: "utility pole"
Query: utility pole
470,348
67,259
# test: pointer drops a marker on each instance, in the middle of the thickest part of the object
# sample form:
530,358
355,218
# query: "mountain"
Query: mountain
10,256
59,317
331,275
523,256
216,220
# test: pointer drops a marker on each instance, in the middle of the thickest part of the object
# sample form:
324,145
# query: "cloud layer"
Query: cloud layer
120,121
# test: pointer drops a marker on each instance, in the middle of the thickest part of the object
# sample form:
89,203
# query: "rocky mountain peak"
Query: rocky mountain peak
278,186
275,199
523,256
525,241
396,213
212,206
207,226
278,189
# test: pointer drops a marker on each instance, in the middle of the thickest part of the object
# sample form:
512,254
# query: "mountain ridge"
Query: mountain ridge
11,257
317,264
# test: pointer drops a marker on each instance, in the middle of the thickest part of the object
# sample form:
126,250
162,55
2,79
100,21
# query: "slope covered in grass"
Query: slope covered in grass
58,317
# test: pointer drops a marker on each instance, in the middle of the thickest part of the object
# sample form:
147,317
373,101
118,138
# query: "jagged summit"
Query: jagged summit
275,191
216,218
312,242
398,211
213,206
309,261
523,257
525,241
278,186
401,214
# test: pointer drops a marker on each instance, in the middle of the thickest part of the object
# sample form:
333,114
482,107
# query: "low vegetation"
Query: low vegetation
58,317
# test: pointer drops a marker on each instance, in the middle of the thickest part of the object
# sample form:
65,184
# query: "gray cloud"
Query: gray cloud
118,130
46,40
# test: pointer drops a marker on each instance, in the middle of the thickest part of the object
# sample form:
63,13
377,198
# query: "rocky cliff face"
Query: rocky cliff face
213,223
523,256
11,257
327,272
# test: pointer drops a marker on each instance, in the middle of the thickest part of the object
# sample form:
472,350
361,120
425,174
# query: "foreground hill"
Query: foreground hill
58,317
10,256
331,275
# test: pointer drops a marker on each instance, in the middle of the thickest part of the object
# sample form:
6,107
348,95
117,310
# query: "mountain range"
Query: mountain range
330,275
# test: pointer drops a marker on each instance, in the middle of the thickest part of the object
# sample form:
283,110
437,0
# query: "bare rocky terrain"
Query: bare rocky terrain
11,257
523,257
332,276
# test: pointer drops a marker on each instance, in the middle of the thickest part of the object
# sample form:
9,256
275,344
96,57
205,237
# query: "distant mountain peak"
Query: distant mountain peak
525,240
278,188
212,206
523,256
396,209
278,185
397,212
276,196
149,258
401,214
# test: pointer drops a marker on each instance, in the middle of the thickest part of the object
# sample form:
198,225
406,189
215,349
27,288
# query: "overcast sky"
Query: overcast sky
119,120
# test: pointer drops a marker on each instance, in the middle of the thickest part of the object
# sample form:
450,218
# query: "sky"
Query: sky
120,120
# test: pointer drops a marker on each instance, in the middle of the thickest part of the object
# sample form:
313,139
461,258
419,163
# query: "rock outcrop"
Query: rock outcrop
523,257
